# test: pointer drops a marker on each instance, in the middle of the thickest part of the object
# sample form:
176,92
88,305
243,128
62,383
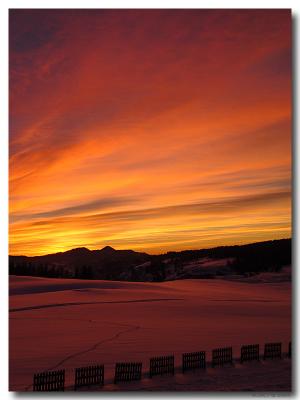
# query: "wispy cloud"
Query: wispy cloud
73,210
129,124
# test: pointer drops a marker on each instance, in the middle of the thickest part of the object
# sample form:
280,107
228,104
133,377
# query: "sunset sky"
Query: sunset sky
151,130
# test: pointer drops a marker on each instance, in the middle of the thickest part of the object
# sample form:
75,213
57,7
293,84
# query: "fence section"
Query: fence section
52,381
88,376
221,356
161,366
192,361
125,372
250,352
272,350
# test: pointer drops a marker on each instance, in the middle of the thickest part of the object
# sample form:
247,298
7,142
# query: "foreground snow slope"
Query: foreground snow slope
56,323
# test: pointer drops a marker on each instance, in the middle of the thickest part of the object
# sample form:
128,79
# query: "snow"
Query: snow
207,265
59,323
285,275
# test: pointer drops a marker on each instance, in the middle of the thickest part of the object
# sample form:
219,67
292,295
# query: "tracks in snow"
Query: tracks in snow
91,348
42,306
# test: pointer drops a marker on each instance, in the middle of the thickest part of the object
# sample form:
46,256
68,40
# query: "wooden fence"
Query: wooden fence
192,361
250,353
161,366
52,381
125,372
88,376
272,350
221,356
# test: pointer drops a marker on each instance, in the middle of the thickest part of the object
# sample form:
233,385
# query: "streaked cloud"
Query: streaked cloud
73,210
148,126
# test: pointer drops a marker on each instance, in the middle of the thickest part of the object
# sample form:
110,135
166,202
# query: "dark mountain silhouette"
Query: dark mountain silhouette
112,264
108,250
106,263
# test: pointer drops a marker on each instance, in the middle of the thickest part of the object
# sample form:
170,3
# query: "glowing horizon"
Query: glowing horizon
150,130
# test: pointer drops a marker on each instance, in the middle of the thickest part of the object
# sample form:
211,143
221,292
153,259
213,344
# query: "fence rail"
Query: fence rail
125,372
250,353
161,366
222,356
52,381
88,376
192,361
272,350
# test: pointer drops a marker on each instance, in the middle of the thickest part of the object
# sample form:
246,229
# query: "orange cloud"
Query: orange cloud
114,112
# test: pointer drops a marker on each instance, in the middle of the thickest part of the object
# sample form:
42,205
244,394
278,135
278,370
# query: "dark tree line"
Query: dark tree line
252,258
31,269
244,259
49,271
157,269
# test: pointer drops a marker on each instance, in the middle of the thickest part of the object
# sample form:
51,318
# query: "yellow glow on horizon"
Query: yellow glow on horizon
155,142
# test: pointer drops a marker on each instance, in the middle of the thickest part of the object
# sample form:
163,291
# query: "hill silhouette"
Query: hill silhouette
111,264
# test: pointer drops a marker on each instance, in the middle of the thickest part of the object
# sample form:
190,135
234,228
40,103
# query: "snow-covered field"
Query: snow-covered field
57,323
